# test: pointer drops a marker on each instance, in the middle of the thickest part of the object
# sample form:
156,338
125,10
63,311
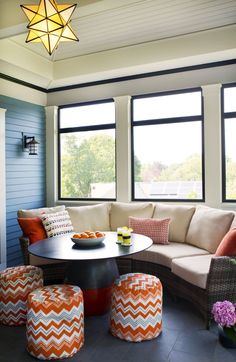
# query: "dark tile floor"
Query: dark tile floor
184,339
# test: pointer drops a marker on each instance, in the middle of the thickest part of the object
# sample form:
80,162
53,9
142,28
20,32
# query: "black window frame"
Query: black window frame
225,115
83,129
167,121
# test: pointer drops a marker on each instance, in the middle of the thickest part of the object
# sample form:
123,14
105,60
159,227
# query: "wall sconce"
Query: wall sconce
30,144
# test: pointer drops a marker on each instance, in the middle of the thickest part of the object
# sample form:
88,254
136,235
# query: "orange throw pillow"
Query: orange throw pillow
32,228
227,246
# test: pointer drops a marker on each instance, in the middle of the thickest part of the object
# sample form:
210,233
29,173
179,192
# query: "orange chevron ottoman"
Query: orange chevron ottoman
15,285
136,307
55,322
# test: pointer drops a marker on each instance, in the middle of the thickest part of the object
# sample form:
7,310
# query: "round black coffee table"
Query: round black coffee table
93,269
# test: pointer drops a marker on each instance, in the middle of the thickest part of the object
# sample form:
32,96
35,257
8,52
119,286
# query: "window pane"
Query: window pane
87,115
175,105
230,158
168,162
88,164
230,99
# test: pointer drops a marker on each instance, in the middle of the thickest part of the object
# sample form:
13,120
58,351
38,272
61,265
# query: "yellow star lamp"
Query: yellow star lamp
49,23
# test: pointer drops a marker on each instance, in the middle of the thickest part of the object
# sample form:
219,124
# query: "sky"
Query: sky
171,143
230,136
168,144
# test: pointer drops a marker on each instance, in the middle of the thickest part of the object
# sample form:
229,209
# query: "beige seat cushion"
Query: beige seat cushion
180,216
36,260
120,212
163,254
193,269
40,211
208,227
94,217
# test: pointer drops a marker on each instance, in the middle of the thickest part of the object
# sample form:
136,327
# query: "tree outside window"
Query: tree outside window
87,151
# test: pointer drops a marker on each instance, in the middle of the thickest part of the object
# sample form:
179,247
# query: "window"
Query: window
228,142
87,151
167,142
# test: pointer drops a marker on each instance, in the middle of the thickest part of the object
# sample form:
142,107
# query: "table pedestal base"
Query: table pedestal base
95,278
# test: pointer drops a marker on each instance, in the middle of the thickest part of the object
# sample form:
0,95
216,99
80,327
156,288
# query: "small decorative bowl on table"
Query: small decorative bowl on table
88,238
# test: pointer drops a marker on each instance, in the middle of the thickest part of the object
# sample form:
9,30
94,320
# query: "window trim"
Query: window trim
225,115
81,129
167,121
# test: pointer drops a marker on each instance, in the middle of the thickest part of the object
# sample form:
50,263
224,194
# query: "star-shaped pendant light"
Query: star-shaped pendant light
49,23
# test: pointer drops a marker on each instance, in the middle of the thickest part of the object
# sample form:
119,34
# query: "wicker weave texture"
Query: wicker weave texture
221,282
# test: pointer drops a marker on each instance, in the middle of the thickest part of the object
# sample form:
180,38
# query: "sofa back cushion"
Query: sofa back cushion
233,225
208,227
120,212
94,217
39,212
180,216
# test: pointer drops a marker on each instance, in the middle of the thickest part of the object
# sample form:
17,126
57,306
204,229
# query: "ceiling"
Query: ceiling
107,27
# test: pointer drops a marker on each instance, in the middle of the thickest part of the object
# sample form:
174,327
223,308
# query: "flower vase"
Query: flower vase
224,339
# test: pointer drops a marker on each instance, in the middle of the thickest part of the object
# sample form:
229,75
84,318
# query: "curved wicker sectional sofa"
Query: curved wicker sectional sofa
186,266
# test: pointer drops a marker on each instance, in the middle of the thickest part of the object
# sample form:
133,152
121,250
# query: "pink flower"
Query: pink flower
224,313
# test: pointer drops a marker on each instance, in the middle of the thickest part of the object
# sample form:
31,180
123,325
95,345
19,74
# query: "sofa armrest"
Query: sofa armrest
24,243
221,282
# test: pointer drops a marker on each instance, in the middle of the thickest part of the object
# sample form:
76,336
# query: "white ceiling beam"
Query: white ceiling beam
13,20
13,30
202,47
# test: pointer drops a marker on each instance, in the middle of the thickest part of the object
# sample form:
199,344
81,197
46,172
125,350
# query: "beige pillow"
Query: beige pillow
233,225
208,227
180,216
39,212
120,212
94,217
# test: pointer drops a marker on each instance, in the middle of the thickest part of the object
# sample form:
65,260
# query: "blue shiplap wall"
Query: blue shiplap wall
25,175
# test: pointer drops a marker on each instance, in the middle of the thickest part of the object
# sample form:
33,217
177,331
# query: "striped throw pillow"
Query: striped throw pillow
156,229
58,223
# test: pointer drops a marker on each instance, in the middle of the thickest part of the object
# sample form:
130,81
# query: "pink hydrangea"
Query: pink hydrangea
224,313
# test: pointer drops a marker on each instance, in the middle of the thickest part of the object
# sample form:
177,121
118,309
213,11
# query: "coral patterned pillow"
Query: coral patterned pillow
57,223
32,228
156,229
227,246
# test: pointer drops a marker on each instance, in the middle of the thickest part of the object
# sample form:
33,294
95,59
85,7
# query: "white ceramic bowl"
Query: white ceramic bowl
88,241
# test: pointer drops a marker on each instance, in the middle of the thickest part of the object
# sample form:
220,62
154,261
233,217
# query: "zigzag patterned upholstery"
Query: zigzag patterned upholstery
15,285
55,322
136,308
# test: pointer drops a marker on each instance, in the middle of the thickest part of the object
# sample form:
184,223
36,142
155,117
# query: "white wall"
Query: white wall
209,79
23,93
212,144
188,79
